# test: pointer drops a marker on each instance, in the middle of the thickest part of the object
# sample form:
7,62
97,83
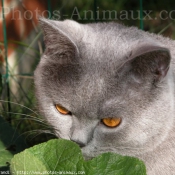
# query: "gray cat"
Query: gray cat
110,88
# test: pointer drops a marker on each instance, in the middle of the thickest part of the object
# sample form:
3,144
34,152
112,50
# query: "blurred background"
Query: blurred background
21,45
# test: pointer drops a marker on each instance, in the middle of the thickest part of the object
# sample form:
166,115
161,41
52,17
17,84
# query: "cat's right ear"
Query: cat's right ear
57,37
150,60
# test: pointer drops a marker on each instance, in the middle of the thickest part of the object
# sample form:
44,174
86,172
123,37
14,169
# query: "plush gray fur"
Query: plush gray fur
106,70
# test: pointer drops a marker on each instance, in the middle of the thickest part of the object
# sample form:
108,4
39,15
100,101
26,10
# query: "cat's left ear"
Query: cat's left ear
150,58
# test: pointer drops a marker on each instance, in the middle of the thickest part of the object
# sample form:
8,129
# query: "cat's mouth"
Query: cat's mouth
80,144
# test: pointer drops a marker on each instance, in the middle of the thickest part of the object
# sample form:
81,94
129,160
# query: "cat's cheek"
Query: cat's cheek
62,125
112,136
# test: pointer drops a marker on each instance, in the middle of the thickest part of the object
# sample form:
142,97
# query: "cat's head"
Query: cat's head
105,86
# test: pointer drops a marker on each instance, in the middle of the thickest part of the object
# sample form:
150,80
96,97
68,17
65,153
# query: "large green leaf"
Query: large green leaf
10,144
63,156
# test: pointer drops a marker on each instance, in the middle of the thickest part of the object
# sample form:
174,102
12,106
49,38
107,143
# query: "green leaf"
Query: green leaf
66,157
10,144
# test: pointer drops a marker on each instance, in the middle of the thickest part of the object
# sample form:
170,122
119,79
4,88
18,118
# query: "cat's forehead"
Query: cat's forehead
108,42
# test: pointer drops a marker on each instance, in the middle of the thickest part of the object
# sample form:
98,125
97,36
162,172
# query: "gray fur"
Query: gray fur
109,70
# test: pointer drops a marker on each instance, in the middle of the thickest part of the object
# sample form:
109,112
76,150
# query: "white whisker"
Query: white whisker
34,131
20,105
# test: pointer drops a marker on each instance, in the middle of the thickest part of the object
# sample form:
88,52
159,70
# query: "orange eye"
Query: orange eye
111,122
62,110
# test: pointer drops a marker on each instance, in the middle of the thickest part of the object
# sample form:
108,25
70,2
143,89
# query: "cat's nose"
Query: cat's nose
81,144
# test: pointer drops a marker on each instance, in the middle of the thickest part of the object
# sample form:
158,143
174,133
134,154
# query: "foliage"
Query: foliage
10,144
65,156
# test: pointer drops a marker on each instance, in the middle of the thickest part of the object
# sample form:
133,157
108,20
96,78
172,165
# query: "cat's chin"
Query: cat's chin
88,155
91,152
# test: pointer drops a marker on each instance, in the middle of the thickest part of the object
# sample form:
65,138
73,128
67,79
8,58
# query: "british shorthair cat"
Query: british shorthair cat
110,88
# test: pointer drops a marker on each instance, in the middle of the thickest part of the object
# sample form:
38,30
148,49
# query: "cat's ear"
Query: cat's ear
57,36
149,59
